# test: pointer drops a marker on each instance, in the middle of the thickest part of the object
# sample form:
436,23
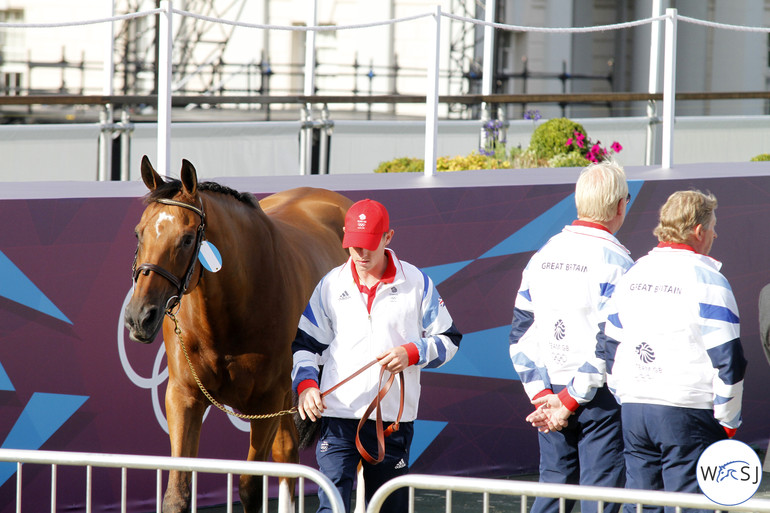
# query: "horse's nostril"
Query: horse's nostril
150,316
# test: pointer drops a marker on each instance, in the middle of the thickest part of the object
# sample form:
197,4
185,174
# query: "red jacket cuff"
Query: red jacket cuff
540,394
568,401
412,352
730,431
304,385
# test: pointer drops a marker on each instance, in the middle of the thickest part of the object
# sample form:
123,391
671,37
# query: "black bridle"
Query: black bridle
181,285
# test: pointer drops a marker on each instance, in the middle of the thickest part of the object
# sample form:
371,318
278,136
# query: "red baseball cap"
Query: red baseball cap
365,223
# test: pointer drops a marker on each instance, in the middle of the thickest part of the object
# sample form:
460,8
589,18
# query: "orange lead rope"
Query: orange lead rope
375,406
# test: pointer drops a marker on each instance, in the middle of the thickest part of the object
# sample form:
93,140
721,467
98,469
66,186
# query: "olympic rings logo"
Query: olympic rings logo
157,377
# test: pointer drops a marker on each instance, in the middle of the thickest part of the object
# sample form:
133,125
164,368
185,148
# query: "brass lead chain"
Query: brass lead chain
206,392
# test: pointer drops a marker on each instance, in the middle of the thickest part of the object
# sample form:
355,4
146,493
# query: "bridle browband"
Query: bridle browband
181,285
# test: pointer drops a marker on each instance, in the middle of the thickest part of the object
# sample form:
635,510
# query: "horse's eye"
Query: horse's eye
188,241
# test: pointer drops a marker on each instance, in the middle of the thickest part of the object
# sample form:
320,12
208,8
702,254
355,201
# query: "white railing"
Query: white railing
524,490
518,490
160,463
166,13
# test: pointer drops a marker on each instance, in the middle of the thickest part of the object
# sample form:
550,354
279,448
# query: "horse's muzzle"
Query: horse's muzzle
143,323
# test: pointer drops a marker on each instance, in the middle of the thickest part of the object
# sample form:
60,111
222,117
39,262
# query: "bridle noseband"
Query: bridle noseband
180,285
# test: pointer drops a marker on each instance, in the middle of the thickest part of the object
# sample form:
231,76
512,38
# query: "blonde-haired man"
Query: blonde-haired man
681,215
555,322
598,190
672,349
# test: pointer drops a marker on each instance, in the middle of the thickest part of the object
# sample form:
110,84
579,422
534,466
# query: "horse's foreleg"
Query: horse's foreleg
285,450
250,486
185,415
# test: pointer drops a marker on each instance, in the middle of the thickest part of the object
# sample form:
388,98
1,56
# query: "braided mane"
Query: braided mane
172,186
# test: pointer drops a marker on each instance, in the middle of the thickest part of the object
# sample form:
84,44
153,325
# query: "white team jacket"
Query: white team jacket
557,311
673,331
336,331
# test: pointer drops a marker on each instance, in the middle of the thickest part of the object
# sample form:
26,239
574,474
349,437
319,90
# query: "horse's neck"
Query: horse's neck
248,240
225,212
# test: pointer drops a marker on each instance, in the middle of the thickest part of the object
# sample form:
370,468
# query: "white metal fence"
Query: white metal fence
159,464
524,490
518,491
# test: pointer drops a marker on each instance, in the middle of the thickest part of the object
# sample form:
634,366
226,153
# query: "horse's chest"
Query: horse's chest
227,370
239,368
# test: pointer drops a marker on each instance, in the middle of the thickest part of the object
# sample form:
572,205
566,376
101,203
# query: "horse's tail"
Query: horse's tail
307,431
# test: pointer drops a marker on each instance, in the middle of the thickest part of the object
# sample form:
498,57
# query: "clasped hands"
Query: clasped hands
550,414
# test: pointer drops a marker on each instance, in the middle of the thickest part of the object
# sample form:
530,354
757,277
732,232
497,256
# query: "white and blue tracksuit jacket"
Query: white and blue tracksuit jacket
559,305
337,332
672,335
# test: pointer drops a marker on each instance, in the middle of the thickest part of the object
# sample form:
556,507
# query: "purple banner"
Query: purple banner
71,380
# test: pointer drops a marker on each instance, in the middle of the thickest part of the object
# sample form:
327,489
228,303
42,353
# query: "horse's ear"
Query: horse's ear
189,177
150,177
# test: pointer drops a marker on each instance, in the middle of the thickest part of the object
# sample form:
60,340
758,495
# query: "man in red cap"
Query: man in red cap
374,306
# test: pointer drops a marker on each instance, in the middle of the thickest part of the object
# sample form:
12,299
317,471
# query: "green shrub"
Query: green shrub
762,157
548,148
472,161
571,159
459,163
551,137
401,165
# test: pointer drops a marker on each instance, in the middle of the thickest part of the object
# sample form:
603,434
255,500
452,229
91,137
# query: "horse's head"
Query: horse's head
168,235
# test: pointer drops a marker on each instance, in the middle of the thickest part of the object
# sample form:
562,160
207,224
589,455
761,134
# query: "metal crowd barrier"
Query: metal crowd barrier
524,490
521,490
160,463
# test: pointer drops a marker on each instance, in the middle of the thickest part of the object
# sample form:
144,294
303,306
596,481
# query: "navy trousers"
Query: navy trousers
338,459
663,444
589,451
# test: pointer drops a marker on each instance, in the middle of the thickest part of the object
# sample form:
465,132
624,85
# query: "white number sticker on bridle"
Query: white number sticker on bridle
209,257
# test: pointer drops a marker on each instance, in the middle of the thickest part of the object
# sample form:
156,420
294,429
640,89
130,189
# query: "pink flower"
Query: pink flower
579,136
616,147
569,142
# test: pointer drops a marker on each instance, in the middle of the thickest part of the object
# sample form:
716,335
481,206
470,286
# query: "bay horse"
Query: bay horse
236,324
